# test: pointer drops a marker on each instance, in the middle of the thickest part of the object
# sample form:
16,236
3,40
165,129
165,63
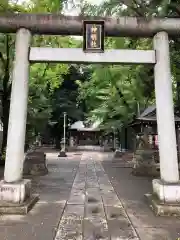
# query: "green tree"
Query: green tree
65,99
115,94
44,78
6,58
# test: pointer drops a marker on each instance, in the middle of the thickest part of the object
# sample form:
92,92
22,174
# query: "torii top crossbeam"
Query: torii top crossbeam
56,24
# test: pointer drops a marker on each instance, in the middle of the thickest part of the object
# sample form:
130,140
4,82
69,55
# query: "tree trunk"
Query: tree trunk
119,138
57,144
178,95
6,94
126,138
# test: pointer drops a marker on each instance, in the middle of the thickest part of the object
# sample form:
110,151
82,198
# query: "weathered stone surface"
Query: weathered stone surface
93,195
96,229
110,198
16,198
70,226
162,209
146,163
69,229
15,193
115,212
35,163
77,197
166,192
19,209
72,25
121,228
146,170
94,210
74,213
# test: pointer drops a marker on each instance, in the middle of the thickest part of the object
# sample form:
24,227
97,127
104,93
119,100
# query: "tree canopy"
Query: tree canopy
116,94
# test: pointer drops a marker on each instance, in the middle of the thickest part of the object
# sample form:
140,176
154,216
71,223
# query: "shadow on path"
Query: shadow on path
54,189
130,190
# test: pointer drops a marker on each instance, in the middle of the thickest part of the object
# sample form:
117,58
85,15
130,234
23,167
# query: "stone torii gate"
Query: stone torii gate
15,191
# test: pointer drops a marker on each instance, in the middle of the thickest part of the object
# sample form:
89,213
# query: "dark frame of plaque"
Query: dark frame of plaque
99,49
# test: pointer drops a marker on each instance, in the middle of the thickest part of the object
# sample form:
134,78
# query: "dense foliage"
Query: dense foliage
44,78
116,94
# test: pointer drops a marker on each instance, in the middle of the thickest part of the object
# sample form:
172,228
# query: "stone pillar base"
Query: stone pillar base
165,199
16,198
62,154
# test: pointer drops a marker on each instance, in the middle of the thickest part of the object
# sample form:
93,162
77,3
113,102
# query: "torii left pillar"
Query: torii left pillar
15,192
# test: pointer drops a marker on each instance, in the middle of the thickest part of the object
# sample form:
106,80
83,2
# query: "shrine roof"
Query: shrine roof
149,115
89,130
80,126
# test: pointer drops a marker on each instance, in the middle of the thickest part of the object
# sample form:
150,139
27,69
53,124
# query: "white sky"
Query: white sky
70,11
95,2
75,11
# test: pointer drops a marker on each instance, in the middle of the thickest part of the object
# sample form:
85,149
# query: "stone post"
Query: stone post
165,110
13,189
167,189
18,109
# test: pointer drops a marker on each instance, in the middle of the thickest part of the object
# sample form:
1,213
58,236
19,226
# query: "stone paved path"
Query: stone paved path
93,210
77,201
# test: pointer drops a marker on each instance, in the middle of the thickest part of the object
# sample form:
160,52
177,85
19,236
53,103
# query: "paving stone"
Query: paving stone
105,187
104,181
94,211
154,234
77,197
122,229
95,230
69,229
79,186
117,213
93,195
70,226
92,183
72,212
110,199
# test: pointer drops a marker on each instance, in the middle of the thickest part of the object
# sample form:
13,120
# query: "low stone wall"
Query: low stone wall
123,155
146,163
35,163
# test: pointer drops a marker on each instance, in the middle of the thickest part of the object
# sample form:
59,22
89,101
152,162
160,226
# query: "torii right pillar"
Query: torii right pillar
165,199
